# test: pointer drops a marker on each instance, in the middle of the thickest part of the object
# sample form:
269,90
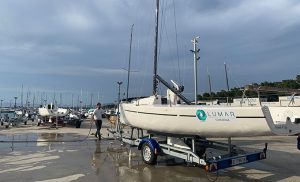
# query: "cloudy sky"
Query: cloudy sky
81,48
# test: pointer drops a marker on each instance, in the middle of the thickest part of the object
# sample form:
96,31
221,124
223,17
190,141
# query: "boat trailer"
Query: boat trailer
210,155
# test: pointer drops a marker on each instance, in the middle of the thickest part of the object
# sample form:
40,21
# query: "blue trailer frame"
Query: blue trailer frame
223,163
234,157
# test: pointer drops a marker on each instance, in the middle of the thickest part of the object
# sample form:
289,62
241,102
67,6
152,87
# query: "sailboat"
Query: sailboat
173,114
52,111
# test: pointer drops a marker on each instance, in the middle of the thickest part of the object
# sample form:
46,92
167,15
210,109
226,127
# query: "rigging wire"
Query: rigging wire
141,90
176,38
135,81
160,32
141,86
165,31
146,65
164,28
184,65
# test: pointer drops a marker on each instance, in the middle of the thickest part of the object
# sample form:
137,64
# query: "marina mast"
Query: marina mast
129,59
22,96
155,49
227,83
209,83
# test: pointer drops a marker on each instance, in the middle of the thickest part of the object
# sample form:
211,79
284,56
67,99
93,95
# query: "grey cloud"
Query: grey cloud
66,44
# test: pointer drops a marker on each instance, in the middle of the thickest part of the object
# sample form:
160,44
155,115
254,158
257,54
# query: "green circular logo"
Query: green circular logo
201,115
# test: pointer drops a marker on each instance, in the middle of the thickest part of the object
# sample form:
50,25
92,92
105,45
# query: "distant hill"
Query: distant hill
238,92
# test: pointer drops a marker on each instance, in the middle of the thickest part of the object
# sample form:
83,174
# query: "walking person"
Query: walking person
97,117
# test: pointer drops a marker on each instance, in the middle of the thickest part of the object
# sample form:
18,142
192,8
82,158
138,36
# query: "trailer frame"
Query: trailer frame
157,144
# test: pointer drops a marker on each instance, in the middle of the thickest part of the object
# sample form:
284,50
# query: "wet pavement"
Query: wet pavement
67,154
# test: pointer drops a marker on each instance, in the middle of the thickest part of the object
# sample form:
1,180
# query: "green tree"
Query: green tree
238,92
298,78
206,95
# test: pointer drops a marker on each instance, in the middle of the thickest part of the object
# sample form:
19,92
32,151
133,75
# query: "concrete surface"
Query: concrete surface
82,158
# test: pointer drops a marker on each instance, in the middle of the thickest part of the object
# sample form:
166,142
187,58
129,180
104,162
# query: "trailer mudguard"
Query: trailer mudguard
153,144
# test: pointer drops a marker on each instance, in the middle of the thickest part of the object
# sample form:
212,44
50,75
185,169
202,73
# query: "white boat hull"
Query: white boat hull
60,112
211,121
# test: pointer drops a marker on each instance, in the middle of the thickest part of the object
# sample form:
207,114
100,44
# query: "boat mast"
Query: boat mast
209,83
22,97
129,59
227,83
156,77
33,100
155,49
72,100
92,99
60,99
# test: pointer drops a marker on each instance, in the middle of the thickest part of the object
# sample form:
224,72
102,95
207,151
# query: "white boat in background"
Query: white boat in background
282,101
52,111
164,114
89,113
19,112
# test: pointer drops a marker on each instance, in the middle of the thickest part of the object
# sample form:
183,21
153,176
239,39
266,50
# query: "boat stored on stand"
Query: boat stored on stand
52,114
51,110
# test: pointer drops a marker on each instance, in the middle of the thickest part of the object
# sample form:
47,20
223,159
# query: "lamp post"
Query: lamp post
118,113
15,101
1,102
196,58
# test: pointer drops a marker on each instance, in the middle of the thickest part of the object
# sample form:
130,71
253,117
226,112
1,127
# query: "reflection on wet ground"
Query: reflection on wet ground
21,141
109,160
91,160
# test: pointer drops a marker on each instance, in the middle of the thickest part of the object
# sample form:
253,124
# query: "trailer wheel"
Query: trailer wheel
148,155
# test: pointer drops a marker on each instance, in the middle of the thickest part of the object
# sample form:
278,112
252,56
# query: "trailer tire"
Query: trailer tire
148,155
